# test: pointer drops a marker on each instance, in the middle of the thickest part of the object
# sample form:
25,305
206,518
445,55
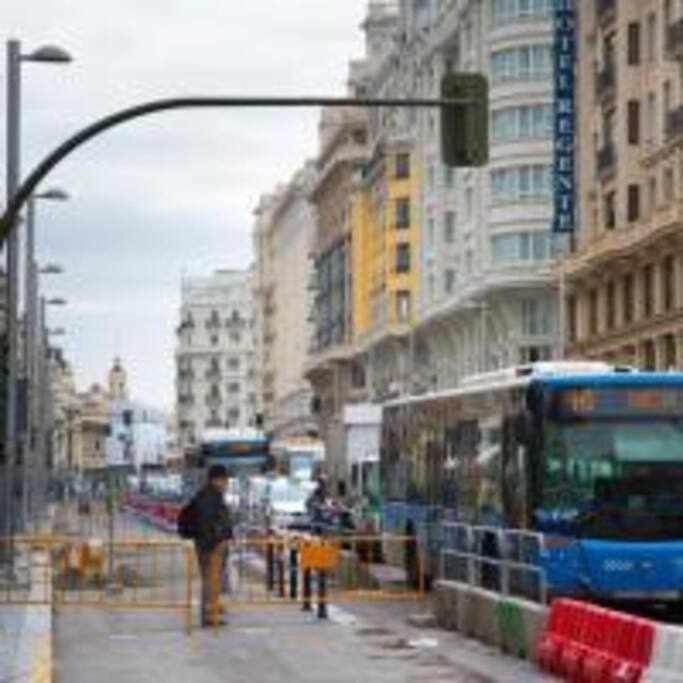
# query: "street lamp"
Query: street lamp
44,54
48,54
50,269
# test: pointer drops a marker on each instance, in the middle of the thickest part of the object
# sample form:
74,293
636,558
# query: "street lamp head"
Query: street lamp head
55,194
48,54
51,269
56,301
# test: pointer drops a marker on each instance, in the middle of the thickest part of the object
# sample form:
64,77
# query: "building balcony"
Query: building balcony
606,82
214,400
186,399
674,40
186,375
214,375
674,124
606,11
606,160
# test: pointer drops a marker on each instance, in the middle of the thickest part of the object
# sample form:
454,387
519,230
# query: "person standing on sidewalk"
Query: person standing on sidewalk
213,530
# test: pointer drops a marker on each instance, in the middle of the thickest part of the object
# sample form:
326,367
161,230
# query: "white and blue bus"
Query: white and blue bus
244,452
587,455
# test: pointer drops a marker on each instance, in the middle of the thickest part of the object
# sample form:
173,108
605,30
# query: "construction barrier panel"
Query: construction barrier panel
584,642
666,665
81,572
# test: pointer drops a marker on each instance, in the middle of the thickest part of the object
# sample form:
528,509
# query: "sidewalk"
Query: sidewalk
270,645
26,633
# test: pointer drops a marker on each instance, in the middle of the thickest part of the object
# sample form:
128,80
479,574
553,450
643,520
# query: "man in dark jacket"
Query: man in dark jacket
214,528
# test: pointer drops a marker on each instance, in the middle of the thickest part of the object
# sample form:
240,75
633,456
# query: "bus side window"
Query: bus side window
514,488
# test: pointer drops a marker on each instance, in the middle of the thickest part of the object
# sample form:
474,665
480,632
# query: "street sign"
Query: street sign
465,124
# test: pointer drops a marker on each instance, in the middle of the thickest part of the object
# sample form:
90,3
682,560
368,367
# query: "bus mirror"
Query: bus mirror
523,428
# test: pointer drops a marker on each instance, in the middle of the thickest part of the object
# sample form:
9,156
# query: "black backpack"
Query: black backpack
188,521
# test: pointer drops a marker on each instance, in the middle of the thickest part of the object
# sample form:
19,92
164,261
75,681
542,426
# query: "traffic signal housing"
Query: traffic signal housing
465,123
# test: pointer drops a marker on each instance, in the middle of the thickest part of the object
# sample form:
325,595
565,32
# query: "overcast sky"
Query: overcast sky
173,193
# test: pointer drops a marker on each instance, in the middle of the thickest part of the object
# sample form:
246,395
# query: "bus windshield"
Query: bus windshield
611,478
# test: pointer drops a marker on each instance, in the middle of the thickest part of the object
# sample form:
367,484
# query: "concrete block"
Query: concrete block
484,616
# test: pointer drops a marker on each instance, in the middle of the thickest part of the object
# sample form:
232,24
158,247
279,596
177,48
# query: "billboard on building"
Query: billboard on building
564,176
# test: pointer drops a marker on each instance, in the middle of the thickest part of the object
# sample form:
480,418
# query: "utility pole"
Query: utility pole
12,180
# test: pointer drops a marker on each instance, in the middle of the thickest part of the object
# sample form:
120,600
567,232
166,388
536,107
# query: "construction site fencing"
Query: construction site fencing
161,574
501,560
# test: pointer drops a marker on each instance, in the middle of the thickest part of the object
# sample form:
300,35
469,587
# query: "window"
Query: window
235,337
651,37
537,317
520,247
593,311
234,414
522,123
651,117
430,232
668,188
649,355
633,208
647,290
610,305
627,298
402,305
234,388
449,227
668,282
633,122
234,363
505,11
571,318
634,44
214,340
449,280
402,213
652,191
610,213
670,360
469,203
520,183
525,63
403,165
403,258
448,176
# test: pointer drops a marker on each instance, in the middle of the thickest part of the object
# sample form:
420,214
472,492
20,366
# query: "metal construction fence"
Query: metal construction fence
160,574
502,560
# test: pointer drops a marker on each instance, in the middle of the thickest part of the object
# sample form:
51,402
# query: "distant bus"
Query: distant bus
588,455
244,452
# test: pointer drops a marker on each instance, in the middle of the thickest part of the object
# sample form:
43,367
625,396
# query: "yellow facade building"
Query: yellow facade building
385,239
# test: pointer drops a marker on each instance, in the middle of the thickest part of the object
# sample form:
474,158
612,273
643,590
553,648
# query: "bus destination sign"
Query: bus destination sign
622,401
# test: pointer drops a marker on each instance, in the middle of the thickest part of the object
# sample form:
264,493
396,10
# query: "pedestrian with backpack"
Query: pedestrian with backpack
207,521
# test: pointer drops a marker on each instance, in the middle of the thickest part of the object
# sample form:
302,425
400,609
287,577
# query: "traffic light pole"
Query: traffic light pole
20,197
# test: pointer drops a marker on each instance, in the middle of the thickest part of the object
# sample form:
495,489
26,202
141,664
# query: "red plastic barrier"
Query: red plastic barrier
584,643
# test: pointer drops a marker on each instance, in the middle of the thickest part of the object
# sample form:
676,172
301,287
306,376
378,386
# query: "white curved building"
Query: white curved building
487,293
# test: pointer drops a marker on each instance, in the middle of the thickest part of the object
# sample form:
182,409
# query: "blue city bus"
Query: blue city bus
587,455
243,452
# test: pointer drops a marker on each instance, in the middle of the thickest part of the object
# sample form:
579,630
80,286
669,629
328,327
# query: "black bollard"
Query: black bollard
270,558
281,572
293,574
306,607
322,594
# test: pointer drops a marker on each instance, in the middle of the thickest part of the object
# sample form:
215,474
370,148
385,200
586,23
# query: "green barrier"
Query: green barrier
511,628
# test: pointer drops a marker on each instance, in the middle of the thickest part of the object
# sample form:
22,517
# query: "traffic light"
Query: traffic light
465,124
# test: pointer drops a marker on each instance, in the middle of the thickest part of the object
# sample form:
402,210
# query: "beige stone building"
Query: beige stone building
624,280
283,241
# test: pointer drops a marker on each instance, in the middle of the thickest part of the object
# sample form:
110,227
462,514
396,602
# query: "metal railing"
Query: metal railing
502,560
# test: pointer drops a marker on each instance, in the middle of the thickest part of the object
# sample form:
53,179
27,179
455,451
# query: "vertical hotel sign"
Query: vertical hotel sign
564,181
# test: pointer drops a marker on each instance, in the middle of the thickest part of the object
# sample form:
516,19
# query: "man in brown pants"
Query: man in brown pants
213,531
